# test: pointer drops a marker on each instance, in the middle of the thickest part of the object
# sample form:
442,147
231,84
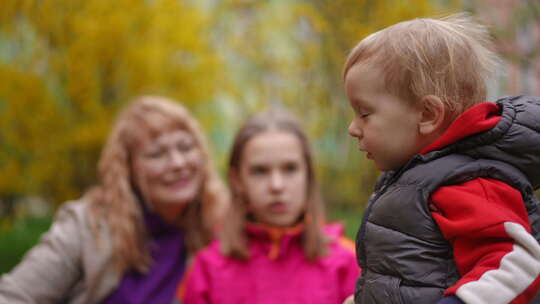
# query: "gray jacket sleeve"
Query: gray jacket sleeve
48,272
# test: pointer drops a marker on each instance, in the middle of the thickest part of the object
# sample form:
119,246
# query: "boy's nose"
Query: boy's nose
353,130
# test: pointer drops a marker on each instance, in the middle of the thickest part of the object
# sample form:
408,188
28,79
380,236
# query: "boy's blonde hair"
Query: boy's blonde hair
450,57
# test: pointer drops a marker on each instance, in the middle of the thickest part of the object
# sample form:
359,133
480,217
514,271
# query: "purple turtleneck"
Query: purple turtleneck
159,285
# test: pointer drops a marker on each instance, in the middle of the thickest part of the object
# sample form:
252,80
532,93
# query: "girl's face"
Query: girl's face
168,170
273,178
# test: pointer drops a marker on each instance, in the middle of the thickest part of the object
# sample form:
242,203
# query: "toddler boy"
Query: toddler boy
454,218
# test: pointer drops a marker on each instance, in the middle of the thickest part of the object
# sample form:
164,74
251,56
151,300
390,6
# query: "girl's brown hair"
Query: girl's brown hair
233,235
114,201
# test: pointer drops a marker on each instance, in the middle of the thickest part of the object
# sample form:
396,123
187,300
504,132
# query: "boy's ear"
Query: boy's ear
433,115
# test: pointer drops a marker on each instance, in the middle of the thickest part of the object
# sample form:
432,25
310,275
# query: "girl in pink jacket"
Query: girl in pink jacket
274,246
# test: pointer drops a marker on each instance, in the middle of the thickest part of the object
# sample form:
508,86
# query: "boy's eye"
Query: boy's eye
361,112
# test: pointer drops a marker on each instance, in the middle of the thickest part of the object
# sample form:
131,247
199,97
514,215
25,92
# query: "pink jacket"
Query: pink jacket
277,271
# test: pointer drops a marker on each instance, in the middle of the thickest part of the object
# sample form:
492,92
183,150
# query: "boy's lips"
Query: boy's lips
361,147
368,155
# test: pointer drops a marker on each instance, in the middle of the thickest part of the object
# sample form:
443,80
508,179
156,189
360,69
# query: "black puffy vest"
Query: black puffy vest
403,255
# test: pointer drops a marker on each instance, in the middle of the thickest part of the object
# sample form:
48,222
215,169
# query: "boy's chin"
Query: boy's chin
383,167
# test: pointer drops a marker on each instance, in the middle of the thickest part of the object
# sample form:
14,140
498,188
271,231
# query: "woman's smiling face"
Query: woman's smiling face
168,170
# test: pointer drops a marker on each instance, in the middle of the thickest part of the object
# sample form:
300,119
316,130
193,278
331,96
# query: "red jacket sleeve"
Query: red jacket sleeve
487,225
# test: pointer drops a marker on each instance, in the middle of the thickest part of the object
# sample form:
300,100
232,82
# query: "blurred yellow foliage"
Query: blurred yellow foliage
68,66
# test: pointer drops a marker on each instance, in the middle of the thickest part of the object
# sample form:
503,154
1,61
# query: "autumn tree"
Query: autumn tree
68,66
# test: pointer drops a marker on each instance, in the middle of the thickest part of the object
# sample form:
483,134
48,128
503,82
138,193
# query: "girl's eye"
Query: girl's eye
290,167
364,115
258,170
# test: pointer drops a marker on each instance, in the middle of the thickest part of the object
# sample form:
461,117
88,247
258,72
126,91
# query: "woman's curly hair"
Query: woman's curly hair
114,202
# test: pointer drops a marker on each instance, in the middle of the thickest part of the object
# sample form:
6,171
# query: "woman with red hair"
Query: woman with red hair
128,238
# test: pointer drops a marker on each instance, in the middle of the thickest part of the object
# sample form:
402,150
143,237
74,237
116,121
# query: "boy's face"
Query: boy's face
385,125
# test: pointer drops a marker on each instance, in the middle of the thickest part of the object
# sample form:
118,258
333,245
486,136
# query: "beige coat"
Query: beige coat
67,266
